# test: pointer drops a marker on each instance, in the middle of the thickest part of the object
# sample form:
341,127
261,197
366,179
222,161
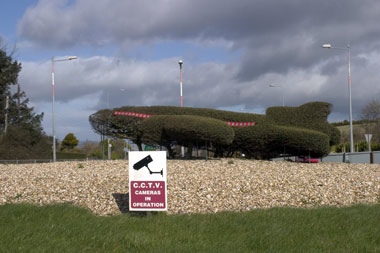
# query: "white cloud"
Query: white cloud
83,86
157,82
272,36
278,42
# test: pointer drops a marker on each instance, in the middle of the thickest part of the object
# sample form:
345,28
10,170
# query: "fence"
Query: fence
45,161
356,157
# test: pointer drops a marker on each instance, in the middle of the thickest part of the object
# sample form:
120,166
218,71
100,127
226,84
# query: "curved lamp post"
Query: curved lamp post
180,62
53,106
328,46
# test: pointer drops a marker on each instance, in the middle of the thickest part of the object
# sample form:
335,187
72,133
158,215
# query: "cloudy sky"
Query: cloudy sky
232,51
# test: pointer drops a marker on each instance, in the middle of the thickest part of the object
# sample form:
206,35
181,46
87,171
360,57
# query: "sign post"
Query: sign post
147,181
368,138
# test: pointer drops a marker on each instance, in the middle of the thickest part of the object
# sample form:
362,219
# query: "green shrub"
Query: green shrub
375,146
266,141
255,141
303,141
334,135
339,147
24,143
363,146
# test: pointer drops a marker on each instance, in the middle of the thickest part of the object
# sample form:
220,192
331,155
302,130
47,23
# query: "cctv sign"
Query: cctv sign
147,181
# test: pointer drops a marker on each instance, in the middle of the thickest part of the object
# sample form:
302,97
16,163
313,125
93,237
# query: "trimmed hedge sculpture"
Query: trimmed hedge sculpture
302,130
311,116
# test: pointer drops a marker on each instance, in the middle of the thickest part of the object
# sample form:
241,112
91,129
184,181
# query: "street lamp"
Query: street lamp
109,145
328,46
53,106
274,86
180,62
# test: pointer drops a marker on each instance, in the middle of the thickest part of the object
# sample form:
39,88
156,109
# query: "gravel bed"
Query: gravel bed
195,186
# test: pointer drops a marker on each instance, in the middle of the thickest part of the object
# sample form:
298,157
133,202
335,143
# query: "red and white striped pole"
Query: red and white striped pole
53,95
180,62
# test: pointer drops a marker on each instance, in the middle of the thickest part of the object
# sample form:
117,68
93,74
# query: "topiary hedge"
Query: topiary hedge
311,116
303,141
299,130
267,141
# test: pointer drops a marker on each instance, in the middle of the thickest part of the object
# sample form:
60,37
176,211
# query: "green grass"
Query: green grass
344,128
361,128
64,228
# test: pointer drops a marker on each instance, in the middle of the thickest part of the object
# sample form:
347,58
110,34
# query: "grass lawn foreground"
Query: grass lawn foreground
66,228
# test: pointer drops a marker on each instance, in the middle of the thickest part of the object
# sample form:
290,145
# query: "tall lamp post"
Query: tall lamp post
109,145
274,86
180,62
53,106
328,46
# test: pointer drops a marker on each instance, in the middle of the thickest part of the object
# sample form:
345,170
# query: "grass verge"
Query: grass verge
65,228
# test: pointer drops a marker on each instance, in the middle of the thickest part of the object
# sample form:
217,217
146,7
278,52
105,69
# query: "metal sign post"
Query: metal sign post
368,138
147,181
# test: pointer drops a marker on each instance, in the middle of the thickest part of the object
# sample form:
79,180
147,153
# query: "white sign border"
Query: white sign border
164,176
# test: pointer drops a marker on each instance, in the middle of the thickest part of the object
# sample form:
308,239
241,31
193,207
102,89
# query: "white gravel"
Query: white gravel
196,186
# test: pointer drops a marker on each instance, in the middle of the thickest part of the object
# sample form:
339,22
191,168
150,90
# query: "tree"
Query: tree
103,123
70,141
20,143
372,112
117,148
90,147
9,70
21,135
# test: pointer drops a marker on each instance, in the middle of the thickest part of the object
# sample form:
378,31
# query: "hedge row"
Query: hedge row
354,122
359,147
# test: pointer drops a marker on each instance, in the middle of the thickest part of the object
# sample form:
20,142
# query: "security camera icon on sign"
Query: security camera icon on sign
144,163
